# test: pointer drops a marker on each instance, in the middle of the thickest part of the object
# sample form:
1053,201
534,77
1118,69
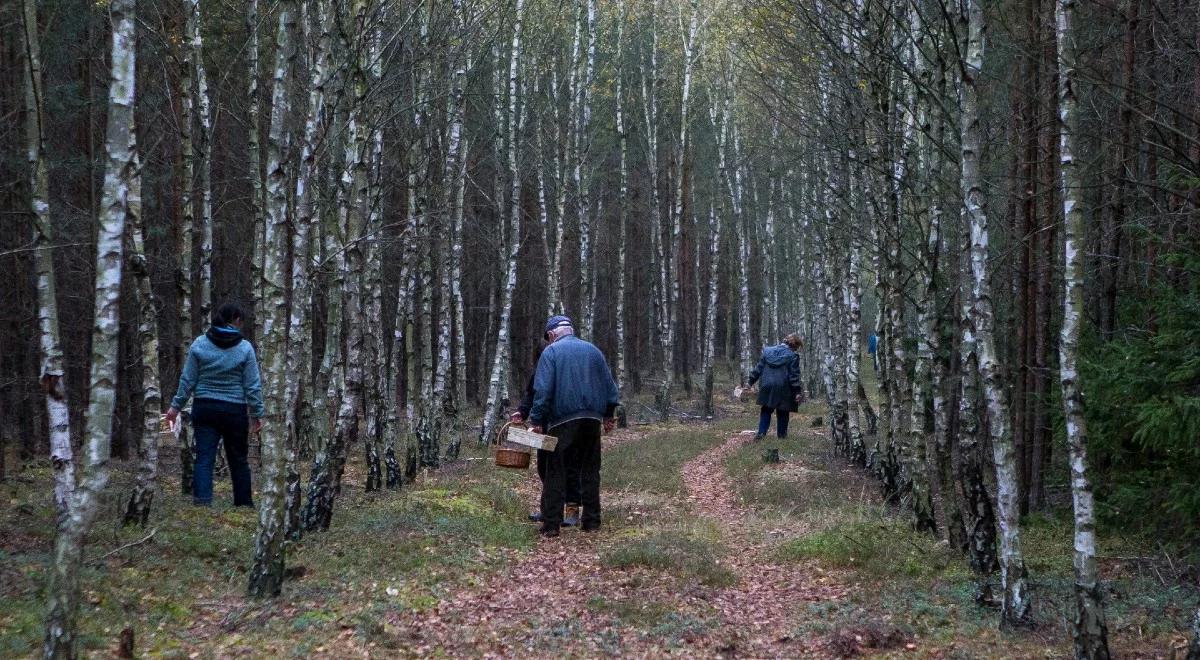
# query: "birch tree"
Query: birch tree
1016,606
203,119
266,572
1090,630
63,588
137,511
53,374
500,365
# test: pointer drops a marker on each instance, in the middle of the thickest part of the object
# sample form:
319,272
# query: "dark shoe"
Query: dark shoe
549,532
758,437
536,516
591,527
207,504
571,516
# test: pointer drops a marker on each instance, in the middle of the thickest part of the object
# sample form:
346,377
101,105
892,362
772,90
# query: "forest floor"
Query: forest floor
706,551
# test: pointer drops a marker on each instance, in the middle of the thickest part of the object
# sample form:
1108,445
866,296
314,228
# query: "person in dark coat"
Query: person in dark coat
572,494
574,399
780,390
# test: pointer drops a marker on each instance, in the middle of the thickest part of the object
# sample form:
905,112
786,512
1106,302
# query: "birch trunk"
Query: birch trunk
266,572
623,197
301,386
137,511
63,588
185,278
254,164
675,218
203,111
53,375
1017,605
650,116
501,363
1090,629
582,174
736,195
452,202
325,482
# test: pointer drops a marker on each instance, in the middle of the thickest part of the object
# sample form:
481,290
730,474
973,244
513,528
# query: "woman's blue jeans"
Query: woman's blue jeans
213,421
781,421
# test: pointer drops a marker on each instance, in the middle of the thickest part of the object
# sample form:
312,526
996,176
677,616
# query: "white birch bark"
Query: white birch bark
736,195
203,111
137,510
266,571
1017,604
452,174
650,107
53,374
675,218
185,278
1090,631
63,588
623,196
500,364
301,385
582,173
254,162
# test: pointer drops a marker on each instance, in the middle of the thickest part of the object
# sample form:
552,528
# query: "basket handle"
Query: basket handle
503,431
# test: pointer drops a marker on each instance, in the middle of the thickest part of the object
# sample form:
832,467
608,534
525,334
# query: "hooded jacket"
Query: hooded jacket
778,375
572,382
221,365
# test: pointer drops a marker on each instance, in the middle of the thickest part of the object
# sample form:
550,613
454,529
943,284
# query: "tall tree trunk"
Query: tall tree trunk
623,197
1017,604
203,109
254,164
1090,630
676,216
185,278
501,364
63,589
453,172
266,572
53,374
582,175
137,511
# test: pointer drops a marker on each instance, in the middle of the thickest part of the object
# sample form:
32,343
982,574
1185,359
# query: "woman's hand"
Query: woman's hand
172,415
256,425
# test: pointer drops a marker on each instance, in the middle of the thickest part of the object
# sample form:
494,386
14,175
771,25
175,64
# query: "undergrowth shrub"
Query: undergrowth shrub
1143,408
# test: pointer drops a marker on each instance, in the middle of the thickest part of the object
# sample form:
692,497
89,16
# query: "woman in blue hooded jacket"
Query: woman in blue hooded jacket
222,372
780,390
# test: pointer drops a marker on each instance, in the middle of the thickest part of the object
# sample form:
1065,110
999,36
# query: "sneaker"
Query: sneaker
548,532
571,515
536,516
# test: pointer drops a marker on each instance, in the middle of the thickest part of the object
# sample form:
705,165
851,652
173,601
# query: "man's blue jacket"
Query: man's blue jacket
572,382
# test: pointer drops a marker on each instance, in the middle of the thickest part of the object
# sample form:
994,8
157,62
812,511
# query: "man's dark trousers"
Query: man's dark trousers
578,445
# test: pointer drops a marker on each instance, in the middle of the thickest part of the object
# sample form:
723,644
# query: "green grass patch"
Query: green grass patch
690,554
654,464
881,549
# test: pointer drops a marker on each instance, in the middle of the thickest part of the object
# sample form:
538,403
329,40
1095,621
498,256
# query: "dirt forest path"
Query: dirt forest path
546,603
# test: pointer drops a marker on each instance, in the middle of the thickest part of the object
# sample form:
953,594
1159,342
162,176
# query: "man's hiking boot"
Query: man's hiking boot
571,515
536,516
548,532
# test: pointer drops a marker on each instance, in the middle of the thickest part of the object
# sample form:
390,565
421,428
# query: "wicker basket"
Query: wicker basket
509,455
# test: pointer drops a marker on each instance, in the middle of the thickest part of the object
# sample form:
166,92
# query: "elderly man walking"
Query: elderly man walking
574,400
